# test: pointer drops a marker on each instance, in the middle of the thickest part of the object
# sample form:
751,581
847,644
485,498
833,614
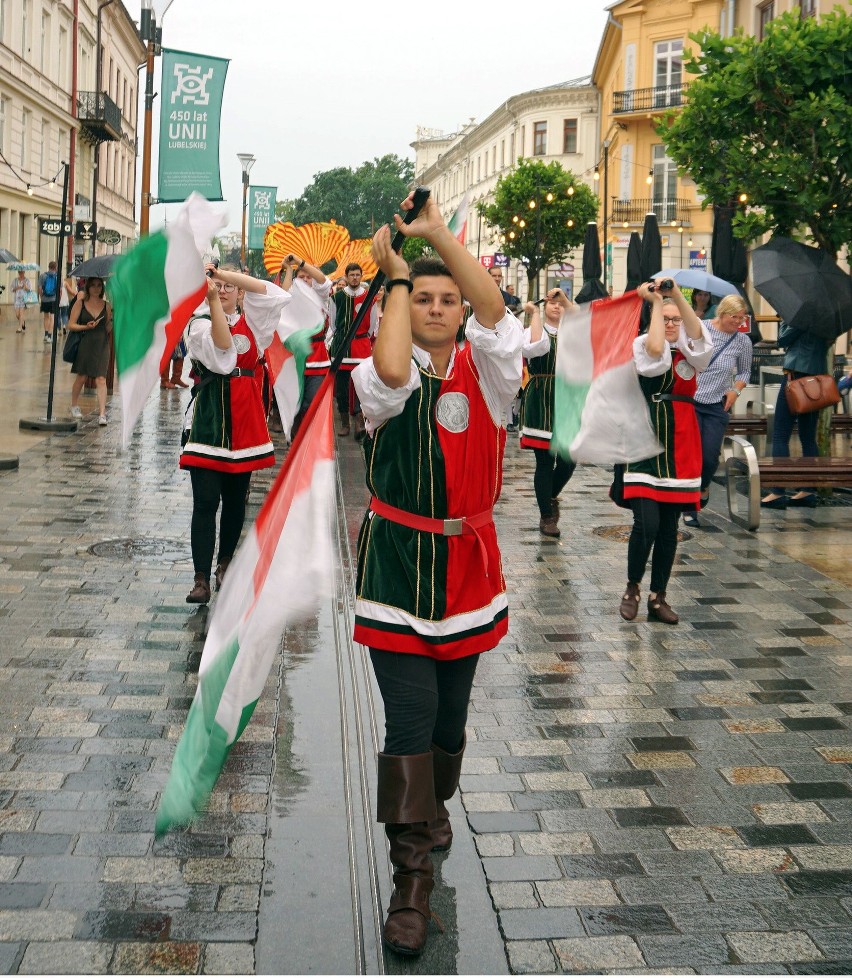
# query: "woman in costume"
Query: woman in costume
227,439
658,489
91,315
551,471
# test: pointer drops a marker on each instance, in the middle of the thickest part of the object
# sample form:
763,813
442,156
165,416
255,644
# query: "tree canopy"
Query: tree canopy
553,227
772,119
361,200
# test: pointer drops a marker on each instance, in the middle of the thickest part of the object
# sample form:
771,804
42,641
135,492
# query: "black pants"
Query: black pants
425,700
341,392
654,525
208,488
712,422
551,475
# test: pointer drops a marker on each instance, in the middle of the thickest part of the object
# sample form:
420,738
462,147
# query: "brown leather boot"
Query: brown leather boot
343,430
200,593
406,804
659,610
447,768
360,428
630,602
554,508
547,526
221,567
177,374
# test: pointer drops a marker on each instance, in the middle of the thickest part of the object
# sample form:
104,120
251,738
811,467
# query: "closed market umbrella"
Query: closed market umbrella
729,258
805,286
652,247
634,262
593,287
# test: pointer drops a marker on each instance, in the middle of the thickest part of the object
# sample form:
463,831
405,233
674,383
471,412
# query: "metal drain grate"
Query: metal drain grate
142,548
621,532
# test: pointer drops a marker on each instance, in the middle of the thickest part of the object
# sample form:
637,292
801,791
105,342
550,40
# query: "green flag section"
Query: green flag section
155,289
190,110
600,415
280,575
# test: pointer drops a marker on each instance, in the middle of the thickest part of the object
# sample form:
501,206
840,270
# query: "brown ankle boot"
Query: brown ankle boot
343,431
360,428
200,593
554,509
659,610
447,768
177,374
221,567
547,526
630,602
406,804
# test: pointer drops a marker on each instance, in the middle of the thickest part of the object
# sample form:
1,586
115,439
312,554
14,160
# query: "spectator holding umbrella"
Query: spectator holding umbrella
20,287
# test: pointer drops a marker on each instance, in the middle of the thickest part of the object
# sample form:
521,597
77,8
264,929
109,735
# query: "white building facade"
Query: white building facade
560,122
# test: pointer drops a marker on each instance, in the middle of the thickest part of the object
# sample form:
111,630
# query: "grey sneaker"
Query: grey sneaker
102,420
76,412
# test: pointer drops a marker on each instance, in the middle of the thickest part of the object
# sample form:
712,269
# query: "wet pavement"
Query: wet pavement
637,797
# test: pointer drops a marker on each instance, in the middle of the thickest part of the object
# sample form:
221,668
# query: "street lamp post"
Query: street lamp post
247,161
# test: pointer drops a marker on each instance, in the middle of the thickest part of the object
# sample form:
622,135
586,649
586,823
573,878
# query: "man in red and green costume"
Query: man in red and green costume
430,590
346,306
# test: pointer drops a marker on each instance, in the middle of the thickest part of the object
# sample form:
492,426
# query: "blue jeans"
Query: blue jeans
712,422
785,420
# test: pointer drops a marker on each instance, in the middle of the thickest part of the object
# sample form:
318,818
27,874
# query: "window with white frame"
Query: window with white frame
664,183
60,57
807,8
668,71
45,42
765,14
4,106
25,28
25,139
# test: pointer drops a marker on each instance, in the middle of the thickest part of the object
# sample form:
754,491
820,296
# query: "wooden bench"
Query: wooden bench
786,473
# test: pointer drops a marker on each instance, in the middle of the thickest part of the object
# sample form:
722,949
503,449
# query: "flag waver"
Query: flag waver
155,289
600,414
278,577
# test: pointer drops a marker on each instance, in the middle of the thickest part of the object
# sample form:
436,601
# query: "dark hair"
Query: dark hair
90,281
428,266
353,266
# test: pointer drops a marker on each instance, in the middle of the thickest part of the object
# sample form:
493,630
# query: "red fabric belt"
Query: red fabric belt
429,524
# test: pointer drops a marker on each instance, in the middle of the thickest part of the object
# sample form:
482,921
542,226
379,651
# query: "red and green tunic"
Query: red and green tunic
673,476
228,431
425,593
537,404
346,309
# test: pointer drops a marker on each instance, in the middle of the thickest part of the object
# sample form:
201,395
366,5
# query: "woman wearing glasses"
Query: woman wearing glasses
227,438
719,386
658,489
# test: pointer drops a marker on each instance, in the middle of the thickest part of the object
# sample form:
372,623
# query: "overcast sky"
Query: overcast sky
315,86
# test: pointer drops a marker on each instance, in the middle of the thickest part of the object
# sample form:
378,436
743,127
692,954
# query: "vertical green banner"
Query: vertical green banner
261,213
190,111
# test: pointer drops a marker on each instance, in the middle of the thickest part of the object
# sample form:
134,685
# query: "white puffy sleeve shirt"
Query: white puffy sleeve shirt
496,354
541,347
698,352
262,312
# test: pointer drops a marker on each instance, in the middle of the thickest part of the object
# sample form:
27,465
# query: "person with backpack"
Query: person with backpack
48,283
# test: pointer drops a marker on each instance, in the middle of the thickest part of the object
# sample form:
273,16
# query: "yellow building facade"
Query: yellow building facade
640,76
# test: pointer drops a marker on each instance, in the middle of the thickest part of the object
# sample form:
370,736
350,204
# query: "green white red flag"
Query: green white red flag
278,577
600,413
458,222
155,288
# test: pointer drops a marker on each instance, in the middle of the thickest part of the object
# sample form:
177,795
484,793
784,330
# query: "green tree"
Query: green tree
285,210
772,119
361,200
548,231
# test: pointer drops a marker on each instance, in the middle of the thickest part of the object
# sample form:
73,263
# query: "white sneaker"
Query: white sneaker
76,412
102,420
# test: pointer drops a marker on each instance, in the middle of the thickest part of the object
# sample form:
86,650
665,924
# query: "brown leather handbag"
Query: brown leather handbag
806,394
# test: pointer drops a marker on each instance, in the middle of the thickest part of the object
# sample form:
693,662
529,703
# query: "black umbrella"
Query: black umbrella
592,288
730,259
634,262
805,286
98,267
652,247
7,256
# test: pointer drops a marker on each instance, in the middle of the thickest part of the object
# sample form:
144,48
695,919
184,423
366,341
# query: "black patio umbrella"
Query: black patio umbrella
592,288
7,256
652,247
730,259
634,262
98,267
805,286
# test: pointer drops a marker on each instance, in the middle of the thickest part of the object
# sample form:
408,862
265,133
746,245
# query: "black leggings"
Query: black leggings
654,525
551,475
425,700
208,487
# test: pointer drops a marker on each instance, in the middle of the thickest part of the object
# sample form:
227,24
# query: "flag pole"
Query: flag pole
421,195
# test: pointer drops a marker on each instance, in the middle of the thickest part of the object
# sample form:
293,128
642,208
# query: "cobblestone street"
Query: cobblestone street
641,798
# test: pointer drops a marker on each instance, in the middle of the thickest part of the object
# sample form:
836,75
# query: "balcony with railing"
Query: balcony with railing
648,99
99,117
634,211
